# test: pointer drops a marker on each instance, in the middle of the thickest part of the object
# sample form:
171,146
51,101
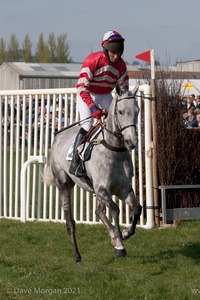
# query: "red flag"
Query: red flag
146,56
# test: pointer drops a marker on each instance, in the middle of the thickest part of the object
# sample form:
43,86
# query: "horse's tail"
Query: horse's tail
48,177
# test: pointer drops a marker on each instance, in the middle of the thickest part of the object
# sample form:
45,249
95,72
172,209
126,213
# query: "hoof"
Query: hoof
77,259
120,252
125,235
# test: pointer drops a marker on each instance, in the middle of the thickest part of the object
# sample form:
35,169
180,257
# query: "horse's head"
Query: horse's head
124,110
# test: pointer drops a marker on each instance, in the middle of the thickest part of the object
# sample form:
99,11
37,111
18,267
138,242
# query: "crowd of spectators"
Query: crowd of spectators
191,111
190,114
38,115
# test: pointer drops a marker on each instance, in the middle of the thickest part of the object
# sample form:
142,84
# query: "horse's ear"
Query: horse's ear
135,89
118,89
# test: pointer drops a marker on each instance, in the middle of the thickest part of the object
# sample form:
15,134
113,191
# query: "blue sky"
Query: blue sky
169,27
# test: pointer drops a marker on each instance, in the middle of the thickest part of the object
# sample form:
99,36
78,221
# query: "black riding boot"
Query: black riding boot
76,166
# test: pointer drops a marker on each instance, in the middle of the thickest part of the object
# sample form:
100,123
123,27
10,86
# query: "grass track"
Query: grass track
36,263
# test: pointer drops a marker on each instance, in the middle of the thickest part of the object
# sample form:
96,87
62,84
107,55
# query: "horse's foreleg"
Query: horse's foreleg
137,209
101,213
104,199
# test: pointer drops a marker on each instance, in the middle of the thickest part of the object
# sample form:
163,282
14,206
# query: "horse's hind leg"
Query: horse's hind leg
65,187
136,212
70,223
104,199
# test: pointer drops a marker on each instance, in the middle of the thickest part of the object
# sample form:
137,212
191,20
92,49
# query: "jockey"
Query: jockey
100,73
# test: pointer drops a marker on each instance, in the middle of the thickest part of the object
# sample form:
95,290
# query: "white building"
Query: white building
188,66
20,75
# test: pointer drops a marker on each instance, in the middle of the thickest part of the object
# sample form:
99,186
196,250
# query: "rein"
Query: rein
119,133
72,125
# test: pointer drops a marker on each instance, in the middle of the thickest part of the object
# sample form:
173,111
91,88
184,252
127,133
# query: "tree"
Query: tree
26,49
42,51
136,63
62,49
13,49
55,50
3,52
52,47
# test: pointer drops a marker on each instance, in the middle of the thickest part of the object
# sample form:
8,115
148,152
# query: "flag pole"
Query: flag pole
154,149
148,56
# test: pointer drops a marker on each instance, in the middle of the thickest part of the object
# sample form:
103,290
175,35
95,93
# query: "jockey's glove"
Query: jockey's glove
96,112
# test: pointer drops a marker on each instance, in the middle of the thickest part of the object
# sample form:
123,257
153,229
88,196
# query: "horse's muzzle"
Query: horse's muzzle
131,144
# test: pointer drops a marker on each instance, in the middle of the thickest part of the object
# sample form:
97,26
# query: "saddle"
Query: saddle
86,145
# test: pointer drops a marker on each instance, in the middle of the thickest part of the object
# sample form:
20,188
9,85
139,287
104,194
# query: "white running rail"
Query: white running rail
29,119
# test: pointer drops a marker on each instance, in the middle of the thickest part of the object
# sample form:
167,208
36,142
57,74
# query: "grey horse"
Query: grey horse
109,170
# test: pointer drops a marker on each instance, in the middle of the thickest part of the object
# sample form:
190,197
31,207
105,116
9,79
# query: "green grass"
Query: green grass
36,263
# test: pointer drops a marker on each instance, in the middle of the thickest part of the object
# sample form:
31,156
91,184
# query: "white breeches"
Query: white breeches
103,101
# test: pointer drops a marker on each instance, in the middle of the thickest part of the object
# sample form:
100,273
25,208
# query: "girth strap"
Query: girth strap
112,148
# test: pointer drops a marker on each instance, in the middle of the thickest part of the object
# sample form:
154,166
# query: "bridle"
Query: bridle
118,134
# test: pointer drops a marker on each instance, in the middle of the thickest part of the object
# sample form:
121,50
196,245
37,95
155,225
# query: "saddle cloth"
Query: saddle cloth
86,146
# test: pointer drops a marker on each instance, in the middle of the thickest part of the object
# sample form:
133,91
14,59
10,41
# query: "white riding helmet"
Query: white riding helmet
112,41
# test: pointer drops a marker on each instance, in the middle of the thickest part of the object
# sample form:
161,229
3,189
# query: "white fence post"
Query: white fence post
31,160
146,89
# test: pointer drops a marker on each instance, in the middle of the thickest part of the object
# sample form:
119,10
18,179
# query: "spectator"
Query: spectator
197,102
189,116
195,122
191,101
184,102
198,120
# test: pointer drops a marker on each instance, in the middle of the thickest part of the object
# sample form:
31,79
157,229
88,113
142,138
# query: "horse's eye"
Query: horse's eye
120,112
